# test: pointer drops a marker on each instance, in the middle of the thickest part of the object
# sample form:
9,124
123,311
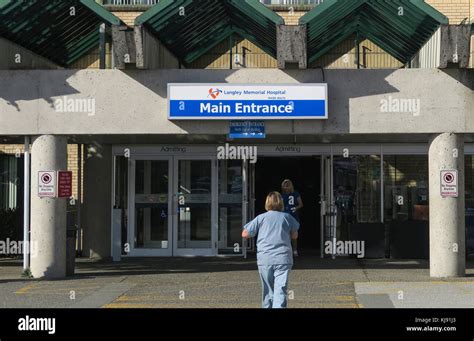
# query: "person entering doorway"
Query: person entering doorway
275,229
293,203
305,174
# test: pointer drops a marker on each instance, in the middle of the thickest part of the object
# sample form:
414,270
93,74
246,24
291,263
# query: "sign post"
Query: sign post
449,183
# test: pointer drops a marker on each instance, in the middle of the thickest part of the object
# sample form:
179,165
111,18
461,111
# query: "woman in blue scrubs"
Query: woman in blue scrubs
275,229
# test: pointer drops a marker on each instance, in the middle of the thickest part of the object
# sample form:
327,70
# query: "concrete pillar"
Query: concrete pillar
123,40
139,43
447,224
48,215
455,45
292,46
96,209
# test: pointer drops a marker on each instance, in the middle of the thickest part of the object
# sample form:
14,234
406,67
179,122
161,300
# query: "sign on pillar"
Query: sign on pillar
449,183
52,184
47,184
64,184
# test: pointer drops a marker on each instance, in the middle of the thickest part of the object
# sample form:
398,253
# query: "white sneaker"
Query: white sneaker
295,253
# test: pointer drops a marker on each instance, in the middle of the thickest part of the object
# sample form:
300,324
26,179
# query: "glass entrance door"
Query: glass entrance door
232,207
172,206
150,208
195,202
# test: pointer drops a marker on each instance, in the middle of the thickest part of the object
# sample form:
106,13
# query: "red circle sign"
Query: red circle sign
448,178
46,178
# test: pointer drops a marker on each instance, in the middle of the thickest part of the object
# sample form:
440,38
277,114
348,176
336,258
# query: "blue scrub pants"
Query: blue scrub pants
274,280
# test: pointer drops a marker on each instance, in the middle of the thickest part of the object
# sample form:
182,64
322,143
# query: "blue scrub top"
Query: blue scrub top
274,237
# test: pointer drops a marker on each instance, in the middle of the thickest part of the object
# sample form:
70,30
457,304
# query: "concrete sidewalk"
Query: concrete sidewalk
234,283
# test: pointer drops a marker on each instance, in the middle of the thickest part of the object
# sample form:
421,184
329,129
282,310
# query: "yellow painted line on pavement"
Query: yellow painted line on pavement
36,290
194,286
163,306
126,305
414,283
171,302
344,298
330,306
321,285
321,296
171,299
175,296
25,289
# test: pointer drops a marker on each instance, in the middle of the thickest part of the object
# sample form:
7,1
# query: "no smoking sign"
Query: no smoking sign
46,178
47,184
449,183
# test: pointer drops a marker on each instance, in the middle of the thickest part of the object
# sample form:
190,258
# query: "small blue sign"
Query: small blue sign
247,130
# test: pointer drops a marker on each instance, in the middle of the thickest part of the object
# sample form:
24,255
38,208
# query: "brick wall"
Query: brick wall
343,56
250,56
92,59
11,148
72,158
471,65
472,11
455,10
291,18
128,17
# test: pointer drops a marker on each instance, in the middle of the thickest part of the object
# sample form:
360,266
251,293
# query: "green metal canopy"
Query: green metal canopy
62,31
400,27
190,28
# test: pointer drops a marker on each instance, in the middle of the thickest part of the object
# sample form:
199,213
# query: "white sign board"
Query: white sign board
449,183
247,101
47,184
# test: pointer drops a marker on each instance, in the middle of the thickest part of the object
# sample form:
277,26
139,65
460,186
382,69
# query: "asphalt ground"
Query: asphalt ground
234,283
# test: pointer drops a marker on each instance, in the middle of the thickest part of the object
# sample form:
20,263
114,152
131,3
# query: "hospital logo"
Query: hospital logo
214,93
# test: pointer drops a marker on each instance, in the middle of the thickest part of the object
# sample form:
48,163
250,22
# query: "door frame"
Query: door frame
188,252
328,208
244,205
131,224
